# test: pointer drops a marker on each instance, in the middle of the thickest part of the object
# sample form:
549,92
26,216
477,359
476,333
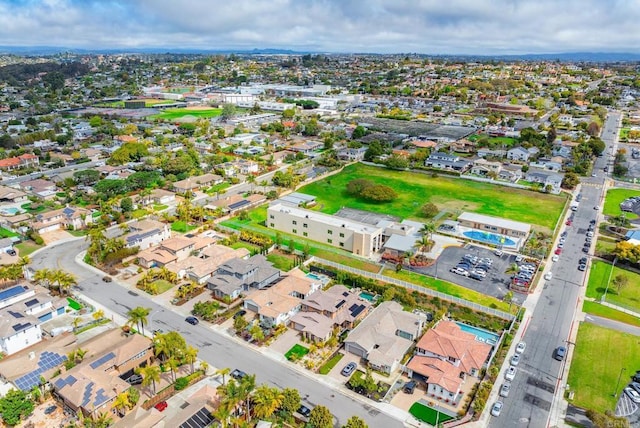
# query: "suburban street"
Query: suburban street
538,380
48,172
215,348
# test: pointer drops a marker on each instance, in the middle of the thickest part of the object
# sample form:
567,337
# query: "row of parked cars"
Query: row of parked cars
589,237
525,274
509,376
633,389
473,266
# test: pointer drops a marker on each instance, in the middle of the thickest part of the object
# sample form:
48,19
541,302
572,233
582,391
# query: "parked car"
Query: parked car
134,379
582,267
498,253
569,223
238,374
582,261
409,387
560,353
558,251
520,347
107,279
515,360
348,369
632,394
192,320
636,386
460,271
504,391
555,258
304,410
49,410
240,313
510,374
496,409
11,252
161,406
590,234
548,276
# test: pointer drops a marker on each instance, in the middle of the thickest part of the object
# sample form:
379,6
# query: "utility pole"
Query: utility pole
615,393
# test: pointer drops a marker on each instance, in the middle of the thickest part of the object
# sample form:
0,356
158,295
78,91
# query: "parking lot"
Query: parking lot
495,284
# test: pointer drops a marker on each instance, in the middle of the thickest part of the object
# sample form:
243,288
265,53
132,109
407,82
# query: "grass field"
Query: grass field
415,189
599,310
599,355
296,352
241,244
6,233
449,288
495,141
614,198
177,113
181,227
283,262
329,365
27,247
427,414
628,297
163,285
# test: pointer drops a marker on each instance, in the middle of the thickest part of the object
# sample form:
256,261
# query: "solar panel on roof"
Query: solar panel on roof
239,204
340,303
20,327
100,397
100,361
31,302
11,292
15,314
357,311
201,419
87,394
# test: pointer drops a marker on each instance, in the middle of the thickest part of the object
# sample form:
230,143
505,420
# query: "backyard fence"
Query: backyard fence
411,286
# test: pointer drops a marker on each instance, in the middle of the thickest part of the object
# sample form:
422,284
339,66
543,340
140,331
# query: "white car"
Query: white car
510,374
504,391
555,258
498,253
521,347
496,409
548,276
515,360
519,258
632,394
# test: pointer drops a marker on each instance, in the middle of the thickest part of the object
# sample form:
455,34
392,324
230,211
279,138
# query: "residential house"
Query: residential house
16,223
444,357
233,203
44,189
489,153
73,218
200,268
275,305
546,164
546,178
246,167
463,146
352,154
277,158
306,147
562,151
423,144
486,168
441,160
518,154
23,161
6,244
511,172
10,195
162,197
238,275
146,233
382,338
92,386
323,311
192,184
172,250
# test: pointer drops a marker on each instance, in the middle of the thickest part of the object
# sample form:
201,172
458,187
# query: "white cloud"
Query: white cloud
427,26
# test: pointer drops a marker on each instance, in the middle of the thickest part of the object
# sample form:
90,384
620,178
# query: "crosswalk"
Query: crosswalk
596,185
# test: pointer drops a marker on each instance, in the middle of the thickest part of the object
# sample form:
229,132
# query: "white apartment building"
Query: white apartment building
359,238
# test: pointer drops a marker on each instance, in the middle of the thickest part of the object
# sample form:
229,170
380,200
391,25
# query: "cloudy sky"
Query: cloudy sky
423,26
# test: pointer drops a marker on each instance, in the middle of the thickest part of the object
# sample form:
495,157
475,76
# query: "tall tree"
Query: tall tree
138,316
150,375
320,417
266,400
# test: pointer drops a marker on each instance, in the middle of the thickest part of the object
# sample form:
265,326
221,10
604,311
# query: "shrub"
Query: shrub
181,383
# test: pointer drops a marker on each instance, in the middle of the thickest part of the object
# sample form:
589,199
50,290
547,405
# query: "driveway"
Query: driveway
286,341
496,283
346,359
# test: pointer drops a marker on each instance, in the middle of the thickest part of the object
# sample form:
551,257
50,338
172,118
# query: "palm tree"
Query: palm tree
162,348
264,184
247,385
76,322
42,277
191,355
138,316
222,372
251,179
98,315
204,366
173,364
223,414
266,401
121,403
428,229
150,375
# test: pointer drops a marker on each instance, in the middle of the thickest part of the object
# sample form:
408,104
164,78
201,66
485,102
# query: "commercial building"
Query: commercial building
494,224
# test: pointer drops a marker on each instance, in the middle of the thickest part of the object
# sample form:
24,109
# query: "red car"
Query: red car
161,406
569,222
558,251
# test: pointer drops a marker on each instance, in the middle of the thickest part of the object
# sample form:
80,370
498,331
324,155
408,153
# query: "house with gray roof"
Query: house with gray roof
238,275
519,154
441,160
546,178
146,233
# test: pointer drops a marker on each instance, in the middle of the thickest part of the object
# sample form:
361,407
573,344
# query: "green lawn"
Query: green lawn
450,289
599,310
6,233
181,227
77,233
163,285
495,141
139,213
427,414
614,198
628,296
453,194
160,207
26,248
281,261
27,207
329,365
177,113
241,244
298,350
599,355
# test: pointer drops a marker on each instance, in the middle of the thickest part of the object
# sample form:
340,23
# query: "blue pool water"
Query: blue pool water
313,276
10,210
367,296
489,238
481,335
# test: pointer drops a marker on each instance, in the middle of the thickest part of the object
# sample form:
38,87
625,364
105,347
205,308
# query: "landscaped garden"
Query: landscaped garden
428,414
6,233
599,356
329,365
626,295
182,227
281,260
456,195
613,200
296,353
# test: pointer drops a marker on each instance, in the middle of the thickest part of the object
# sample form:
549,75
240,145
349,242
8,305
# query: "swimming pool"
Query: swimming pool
10,211
368,296
313,276
489,238
481,334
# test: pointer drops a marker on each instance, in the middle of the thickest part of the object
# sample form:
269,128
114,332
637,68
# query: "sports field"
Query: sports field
179,113
453,194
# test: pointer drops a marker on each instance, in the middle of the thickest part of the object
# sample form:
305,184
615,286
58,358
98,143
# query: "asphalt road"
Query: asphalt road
215,348
534,388
49,173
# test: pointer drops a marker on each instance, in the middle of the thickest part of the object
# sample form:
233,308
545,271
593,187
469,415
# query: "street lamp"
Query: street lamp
615,393
604,296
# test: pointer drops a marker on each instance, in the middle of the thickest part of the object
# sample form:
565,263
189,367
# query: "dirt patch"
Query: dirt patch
55,235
